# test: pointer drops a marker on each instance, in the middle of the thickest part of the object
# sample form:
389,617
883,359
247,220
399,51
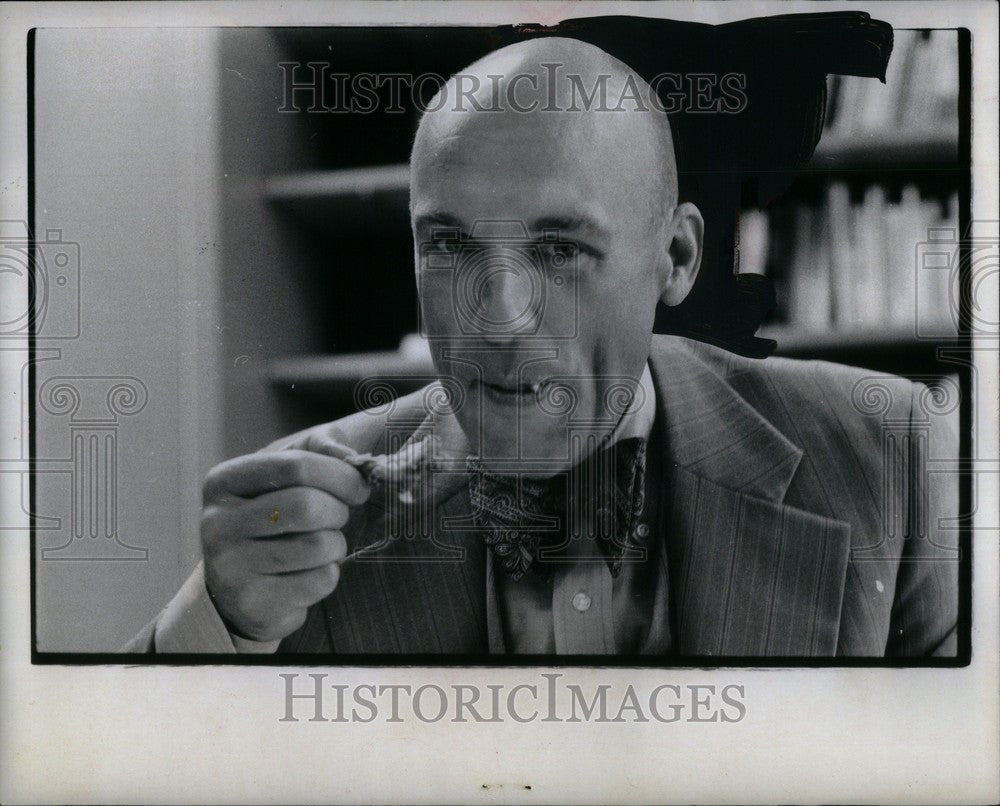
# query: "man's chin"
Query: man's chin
533,448
521,436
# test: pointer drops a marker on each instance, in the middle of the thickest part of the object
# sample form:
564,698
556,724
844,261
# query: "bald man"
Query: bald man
582,488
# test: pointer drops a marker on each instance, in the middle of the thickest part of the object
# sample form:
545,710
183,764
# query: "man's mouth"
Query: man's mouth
509,392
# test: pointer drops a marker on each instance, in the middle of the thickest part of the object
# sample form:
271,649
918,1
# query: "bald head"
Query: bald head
568,99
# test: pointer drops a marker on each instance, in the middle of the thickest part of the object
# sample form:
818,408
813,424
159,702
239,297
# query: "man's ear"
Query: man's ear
683,257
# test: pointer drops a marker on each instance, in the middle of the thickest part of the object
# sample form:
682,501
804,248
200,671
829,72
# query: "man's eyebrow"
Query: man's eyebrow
438,218
568,223
562,223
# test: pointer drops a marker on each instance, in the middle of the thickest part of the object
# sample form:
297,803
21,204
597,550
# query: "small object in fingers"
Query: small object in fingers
403,471
366,551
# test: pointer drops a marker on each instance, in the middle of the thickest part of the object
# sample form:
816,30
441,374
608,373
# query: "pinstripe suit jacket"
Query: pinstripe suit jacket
802,522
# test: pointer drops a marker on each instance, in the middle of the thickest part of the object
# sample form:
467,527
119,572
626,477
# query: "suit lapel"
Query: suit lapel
750,575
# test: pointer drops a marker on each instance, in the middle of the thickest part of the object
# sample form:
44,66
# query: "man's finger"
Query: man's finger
282,512
258,473
327,446
304,588
296,552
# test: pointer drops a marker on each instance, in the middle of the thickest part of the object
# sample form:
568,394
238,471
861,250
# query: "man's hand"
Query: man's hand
271,535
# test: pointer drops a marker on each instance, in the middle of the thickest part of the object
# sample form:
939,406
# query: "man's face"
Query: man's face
536,247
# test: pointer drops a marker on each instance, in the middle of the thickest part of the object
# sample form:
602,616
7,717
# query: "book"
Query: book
873,265
753,235
918,100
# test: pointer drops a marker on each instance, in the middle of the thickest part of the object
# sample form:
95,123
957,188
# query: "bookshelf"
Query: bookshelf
839,245
847,246
330,380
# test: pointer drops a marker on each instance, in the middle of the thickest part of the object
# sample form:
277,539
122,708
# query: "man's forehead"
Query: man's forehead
472,177
493,168
497,138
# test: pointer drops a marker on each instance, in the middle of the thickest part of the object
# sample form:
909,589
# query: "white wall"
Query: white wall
126,166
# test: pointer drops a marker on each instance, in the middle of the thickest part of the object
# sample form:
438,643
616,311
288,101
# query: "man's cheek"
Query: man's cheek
436,307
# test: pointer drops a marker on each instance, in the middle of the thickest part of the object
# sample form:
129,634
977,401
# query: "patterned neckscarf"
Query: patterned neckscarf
601,499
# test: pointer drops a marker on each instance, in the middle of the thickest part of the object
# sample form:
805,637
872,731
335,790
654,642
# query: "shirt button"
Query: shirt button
581,602
642,531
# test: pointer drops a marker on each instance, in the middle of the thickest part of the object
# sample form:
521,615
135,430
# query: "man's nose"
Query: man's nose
508,299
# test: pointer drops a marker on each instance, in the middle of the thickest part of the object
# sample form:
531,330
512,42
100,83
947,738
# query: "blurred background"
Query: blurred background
241,268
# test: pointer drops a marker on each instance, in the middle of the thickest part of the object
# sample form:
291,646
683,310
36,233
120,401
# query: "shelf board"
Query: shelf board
376,196
797,340
898,352
834,152
878,151
310,374
336,376
356,183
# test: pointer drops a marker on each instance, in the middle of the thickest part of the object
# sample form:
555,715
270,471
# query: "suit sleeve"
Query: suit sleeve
925,611
191,624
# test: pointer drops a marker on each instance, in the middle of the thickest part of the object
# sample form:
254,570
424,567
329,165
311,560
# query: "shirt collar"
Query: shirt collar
638,418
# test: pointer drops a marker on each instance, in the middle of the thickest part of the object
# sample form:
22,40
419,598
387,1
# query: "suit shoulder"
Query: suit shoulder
831,374
850,392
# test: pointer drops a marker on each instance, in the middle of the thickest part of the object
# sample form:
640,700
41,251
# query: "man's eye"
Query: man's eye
562,252
442,247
